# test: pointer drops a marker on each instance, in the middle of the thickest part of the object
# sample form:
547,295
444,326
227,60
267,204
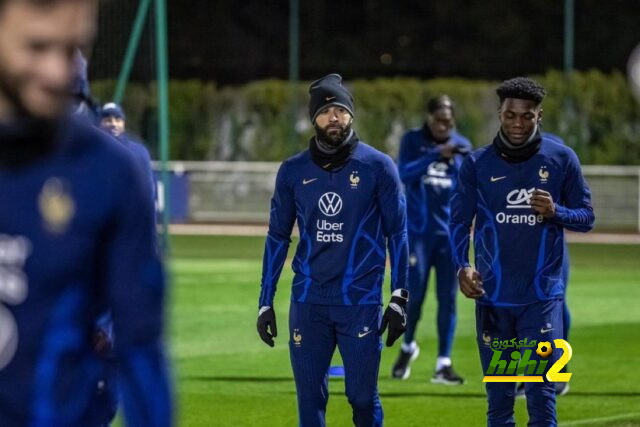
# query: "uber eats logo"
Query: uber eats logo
519,199
330,204
523,366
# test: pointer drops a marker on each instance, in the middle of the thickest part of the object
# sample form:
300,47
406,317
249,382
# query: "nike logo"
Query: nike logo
330,98
364,334
307,181
544,331
497,178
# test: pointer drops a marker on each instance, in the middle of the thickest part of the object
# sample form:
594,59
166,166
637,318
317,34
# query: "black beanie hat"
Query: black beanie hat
328,91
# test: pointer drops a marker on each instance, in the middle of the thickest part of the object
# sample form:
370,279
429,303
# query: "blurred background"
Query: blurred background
239,71
217,89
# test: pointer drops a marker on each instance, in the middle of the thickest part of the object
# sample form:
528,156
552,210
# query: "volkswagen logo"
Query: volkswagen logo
330,204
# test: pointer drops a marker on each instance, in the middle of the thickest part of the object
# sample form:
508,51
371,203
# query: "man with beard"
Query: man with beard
428,164
347,200
75,236
523,189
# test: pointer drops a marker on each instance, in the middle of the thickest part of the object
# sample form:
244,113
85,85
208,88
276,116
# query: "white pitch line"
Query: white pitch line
588,421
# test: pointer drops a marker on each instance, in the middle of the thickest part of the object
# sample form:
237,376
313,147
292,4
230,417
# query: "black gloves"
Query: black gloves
267,325
395,316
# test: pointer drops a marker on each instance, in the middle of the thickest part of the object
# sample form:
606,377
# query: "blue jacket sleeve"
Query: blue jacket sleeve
574,212
149,173
393,208
135,286
463,210
412,164
281,219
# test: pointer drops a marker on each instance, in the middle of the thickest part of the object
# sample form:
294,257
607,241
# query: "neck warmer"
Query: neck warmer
25,140
517,153
333,158
430,137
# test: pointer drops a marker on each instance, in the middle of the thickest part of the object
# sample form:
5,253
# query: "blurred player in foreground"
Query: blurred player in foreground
428,164
75,236
523,190
348,202
82,103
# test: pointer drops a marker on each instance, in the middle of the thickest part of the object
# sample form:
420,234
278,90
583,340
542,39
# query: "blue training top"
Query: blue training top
141,154
75,240
518,253
428,180
345,219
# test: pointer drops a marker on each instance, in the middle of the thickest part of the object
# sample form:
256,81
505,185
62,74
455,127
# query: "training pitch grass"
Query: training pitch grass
225,376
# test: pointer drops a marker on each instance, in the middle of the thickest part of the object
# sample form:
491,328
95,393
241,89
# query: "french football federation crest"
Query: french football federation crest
413,260
543,173
354,179
486,338
56,206
297,338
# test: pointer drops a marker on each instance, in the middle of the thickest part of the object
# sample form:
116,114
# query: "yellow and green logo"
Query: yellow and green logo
521,368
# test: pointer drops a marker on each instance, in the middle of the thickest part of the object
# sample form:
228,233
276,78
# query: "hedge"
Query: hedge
594,112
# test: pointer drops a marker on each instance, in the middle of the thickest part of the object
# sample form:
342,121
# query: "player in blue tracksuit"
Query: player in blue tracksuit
75,238
428,165
523,190
112,120
348,203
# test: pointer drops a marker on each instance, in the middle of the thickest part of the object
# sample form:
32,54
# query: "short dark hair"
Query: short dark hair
521,88
438,102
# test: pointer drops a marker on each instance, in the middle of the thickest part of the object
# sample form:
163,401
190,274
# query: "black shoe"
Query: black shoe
448,376
402,369
520,390
562,389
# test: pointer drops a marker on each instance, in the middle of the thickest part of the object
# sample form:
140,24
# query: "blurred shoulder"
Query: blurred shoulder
460,139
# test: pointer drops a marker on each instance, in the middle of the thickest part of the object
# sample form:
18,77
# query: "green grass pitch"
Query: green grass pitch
225,376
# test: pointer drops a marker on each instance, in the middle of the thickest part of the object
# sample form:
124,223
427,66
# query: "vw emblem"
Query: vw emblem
330,204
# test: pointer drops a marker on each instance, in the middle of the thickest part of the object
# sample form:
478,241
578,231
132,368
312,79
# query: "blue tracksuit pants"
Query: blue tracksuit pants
427,252
314,333
541,321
